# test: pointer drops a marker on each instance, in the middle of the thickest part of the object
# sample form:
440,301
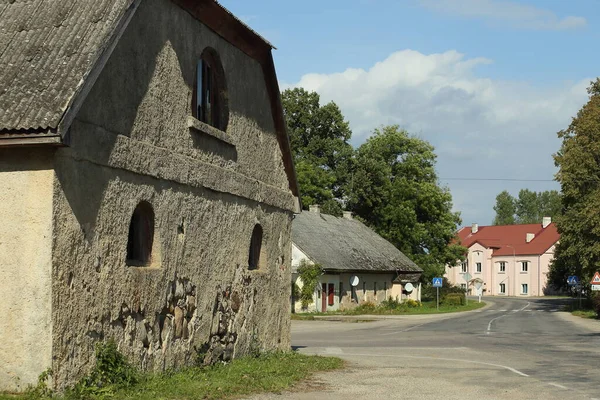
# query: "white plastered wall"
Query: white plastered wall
26,179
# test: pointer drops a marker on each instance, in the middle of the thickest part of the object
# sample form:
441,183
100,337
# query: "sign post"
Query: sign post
596,281
437,284
478,286
573,281
467,277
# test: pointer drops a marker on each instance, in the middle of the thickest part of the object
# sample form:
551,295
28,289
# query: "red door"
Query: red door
324,298
331,294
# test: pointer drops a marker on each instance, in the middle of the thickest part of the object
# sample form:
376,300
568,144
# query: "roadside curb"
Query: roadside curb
369,317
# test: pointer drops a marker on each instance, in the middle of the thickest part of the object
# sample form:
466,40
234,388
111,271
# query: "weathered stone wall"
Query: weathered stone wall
131,143
26,182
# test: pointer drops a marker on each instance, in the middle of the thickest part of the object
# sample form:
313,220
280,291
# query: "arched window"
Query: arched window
254,257
209,102
141,235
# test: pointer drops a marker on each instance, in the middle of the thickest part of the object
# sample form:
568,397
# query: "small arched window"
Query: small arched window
209,102
254,257
141,235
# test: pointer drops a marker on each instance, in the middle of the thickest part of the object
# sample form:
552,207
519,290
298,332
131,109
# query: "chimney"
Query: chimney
474,228
546,221
315,208
530,237
347,214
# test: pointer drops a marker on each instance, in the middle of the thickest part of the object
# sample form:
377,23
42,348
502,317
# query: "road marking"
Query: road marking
558,386
513,370
502,310
489,328
405,330
554,310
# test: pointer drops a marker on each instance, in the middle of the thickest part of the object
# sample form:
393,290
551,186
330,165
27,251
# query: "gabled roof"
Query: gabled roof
46,50
343,244
52,51
506,238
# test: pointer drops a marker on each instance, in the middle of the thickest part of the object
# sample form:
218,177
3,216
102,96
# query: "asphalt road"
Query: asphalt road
514,348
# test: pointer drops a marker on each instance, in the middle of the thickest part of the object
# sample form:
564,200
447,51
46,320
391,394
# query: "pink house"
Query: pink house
509,260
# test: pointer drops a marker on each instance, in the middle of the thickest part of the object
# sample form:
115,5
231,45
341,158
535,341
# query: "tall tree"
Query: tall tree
505,209
578,161
319,137
395,191
528,207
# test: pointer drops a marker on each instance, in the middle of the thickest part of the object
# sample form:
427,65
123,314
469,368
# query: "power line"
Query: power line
497,179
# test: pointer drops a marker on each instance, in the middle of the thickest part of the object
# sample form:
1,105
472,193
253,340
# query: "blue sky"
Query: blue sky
487,82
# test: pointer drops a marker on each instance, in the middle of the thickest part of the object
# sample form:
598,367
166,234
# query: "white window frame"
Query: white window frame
502,288
464,267
524,288
502,267
524,266
478,267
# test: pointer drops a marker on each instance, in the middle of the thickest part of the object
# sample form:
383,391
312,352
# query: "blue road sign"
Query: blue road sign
572,280
437,282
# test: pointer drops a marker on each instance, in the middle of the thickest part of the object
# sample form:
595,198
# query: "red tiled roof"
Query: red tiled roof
506,238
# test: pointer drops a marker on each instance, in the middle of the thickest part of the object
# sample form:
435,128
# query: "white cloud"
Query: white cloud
516,14
481,128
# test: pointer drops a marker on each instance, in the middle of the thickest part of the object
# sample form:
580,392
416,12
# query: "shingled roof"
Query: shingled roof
343,244
46,50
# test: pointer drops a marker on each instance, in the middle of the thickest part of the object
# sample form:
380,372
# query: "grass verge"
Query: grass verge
272,372
426,307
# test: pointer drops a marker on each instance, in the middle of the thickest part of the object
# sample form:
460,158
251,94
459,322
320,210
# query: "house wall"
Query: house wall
513,277
130,143
26,179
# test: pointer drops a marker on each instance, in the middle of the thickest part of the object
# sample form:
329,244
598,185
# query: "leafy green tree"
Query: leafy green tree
578,161
528,207
319,137
395,191
505,208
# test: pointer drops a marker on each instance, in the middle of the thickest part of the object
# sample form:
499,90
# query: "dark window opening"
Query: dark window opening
209,97
255,248
141,235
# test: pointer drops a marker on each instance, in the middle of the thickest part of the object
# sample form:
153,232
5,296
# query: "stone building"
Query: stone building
147,187
349,251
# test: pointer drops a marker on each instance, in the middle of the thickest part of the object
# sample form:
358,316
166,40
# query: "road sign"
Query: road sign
437,282
596,279
595,287
572,280
467,277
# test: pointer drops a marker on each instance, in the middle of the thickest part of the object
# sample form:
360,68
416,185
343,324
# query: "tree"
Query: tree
578,160
505,209
529,208
395,191
319,138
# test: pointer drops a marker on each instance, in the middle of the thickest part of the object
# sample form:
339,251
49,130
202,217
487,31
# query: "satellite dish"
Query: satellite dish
354,281
409,287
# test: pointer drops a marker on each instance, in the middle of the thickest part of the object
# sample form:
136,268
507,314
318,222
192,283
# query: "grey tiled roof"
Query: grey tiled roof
47,47
346,244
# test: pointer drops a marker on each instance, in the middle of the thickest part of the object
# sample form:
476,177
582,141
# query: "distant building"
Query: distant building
510,260
346,248
147,187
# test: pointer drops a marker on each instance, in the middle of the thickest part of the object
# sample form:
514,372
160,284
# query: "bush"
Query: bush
429,292
453,299
391,304
410,303
112,371
596,305
366,308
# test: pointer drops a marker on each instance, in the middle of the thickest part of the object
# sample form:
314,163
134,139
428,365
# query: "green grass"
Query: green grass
591,314
427,307
267,373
